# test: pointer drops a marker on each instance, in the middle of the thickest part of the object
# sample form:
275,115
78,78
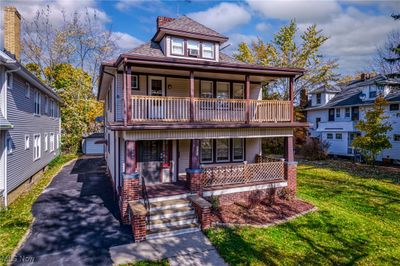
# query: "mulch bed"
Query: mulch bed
261,214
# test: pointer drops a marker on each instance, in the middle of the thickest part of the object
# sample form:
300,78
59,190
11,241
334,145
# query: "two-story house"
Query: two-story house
334,112
183,118
29,118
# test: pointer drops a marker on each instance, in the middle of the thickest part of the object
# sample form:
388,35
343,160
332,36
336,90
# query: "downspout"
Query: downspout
5,193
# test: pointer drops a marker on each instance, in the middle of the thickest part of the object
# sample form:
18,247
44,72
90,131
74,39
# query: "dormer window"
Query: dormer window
193,48
372,91
318,95
177,45
208,50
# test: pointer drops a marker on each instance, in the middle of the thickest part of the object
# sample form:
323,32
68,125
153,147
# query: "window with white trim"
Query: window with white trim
10,81
329,136
27,142
28,90
338,112
46,104
46,141
134,82
58,141
238,150
51,108
36,146
208,50
347,112
177,46
51,142
339,136
206,151
222,148
193,48
37,102
9,143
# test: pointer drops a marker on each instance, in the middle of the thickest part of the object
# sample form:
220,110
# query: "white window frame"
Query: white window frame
28,90
347,112
212,151
9,144
37,102
177,43
216,151
27,142
46,104
329,134
193,45
337,112
58,141
51,108
134,82
37,143
318,98
46,141
208,47
340,134
10,80
51,142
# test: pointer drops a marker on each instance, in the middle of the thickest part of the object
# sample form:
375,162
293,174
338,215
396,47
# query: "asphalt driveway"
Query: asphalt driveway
76,219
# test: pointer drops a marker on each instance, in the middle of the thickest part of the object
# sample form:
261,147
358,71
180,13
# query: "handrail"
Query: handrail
146,201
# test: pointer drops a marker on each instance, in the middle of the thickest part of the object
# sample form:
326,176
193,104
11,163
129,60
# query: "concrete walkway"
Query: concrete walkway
186,249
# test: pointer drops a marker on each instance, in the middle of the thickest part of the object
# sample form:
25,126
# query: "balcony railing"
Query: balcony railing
178,109
243,173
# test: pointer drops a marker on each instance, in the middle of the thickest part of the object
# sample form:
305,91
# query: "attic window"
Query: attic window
318,98
208,50
177,46
372,91
193,48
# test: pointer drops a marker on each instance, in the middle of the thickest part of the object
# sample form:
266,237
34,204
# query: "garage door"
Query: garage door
92,148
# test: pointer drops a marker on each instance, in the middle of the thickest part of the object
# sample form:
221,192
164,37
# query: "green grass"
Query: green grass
16,219
358,222
163,262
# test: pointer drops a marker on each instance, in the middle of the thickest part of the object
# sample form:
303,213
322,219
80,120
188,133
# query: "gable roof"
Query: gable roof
186,26
327,89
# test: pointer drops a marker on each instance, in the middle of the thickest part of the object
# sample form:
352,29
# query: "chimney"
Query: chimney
12,31
362,77
163,20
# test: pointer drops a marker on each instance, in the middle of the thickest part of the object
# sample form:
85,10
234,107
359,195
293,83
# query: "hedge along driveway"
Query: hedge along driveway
357,222
16,219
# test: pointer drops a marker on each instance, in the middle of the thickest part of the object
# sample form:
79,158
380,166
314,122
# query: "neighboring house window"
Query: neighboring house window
9,145
10,81
36,146
58,141
337,112
329,136
134,82
46,104
27,142
177,46
238,150
28,90
339,136
317,121
372,91
206,89
394,107
51,108
46,141
208,50
396,137
51,142
318,95
238,91
37,102
347,112
355,115
109,100
331,114
206,151
222,148
193,48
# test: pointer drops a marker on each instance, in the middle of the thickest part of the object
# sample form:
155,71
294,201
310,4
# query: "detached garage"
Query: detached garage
93,144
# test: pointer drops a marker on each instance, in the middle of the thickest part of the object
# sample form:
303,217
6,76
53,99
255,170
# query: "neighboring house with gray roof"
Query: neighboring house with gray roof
335,111
29,119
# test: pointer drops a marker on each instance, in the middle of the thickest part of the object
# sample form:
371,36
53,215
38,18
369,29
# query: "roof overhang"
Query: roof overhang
161,32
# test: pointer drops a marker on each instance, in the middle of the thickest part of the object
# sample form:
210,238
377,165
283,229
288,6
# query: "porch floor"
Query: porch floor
167,189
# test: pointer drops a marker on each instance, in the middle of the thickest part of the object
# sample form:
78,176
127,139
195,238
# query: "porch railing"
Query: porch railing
243,173
178,109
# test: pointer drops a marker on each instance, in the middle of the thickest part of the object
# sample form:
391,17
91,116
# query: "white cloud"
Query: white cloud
223,17
126,41
126,4
303,11
262,27
237,38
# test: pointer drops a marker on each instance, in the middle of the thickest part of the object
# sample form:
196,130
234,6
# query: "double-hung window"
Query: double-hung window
36,146
396,137
206,151
193,48
37,102
10,145
347,112
223,90
372,91
222,150
238,91
46,141
134,82
51,142
238,150
46,105
208,50
339,136
318,96
10,81
177,46
51,108
329,136
206,89
337,112
28,90
27,142
394,107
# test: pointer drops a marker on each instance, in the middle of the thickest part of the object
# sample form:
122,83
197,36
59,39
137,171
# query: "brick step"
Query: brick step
172,231
170,222
173,197
169,204
170,213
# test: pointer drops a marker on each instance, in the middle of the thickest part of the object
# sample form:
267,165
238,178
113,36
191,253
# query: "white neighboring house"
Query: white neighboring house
334,112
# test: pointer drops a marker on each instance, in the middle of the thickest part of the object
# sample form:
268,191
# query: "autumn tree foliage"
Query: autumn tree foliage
374,128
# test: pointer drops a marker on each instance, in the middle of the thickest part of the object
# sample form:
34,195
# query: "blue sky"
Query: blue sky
356,28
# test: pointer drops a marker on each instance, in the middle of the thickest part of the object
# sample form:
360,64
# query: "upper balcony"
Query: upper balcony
208,110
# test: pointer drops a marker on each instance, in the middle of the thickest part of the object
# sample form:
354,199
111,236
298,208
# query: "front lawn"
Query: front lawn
15,221
358,222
